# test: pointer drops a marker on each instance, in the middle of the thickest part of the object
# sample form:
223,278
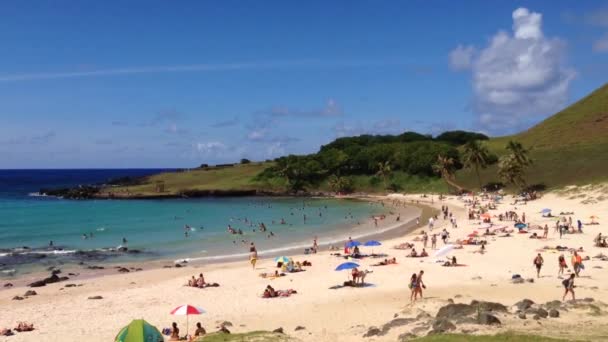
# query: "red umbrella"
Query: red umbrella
187,310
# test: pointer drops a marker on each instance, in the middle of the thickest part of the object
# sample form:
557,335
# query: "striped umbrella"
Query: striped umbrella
187,310
139,331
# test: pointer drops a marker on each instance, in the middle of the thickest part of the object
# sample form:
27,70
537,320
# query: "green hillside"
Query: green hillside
570,147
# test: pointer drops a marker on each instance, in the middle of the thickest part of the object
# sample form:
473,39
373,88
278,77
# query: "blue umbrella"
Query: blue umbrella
346,266
352,244
520,225
372,243
545,211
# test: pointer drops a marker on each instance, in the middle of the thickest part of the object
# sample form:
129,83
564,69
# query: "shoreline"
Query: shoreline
387,231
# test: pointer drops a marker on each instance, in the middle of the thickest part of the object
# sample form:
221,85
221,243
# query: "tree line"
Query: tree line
379,156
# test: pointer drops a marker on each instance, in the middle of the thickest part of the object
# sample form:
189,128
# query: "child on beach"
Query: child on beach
562,265
569,286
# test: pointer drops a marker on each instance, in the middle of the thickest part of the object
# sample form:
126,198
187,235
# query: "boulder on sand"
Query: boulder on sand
454,311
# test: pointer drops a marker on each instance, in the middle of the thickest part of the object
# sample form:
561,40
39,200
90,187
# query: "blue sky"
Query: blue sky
176,84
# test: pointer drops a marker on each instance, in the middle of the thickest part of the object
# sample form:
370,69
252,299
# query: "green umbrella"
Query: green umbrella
139,331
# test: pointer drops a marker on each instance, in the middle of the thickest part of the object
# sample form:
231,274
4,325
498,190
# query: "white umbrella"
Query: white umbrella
445,250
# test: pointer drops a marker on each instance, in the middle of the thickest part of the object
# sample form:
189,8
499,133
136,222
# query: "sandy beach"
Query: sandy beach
61,313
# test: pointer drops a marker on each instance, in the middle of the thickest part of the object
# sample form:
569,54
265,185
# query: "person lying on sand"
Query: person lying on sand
274,275
6,332
23,326
451,262
270,292
405,245
392,261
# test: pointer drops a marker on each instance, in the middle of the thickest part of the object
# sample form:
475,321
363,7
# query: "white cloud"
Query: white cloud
601,45
210,148
519,77
461,57
257,134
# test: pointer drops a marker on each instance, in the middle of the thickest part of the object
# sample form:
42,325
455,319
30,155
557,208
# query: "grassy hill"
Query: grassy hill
570,147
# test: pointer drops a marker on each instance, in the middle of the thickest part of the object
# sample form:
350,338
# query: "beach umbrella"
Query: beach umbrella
282,259
372,243
139,331
443,251
520,225
347,266
352,244
187,310
545,211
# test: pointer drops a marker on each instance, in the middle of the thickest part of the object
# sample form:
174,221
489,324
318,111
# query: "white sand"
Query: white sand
328,315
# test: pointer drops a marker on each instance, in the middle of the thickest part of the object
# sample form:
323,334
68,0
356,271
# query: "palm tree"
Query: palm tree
384,171
445,168
511,171
475,157
519,152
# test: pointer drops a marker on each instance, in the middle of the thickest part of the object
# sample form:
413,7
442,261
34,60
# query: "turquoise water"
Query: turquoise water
158,227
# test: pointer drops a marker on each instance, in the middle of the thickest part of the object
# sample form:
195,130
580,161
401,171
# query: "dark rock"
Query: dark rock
299,327
72,274
588,300
50,280
420,329
95,297
450,301
518,280
55,271
452,311
553,313
522,315
167,266
178,266
124,270
406,337
442,325
542,313
397,322
395,315
8,285
138,269
458,296
554,304
70,285
30,293
278,331
95,267
524,304
18,298
487,319
536,317
489,306
372,331
423,316
530,280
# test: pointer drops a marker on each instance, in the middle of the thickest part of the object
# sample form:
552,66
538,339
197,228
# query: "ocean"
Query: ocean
38,231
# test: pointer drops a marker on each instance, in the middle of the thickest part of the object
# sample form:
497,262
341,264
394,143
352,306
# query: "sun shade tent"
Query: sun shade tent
139,331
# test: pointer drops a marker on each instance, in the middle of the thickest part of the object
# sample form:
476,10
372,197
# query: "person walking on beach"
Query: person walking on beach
434,241
315,246
413,285
545,231
577,262
538,262
562,265
420,283
253,255
425,239
569,286
431,223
